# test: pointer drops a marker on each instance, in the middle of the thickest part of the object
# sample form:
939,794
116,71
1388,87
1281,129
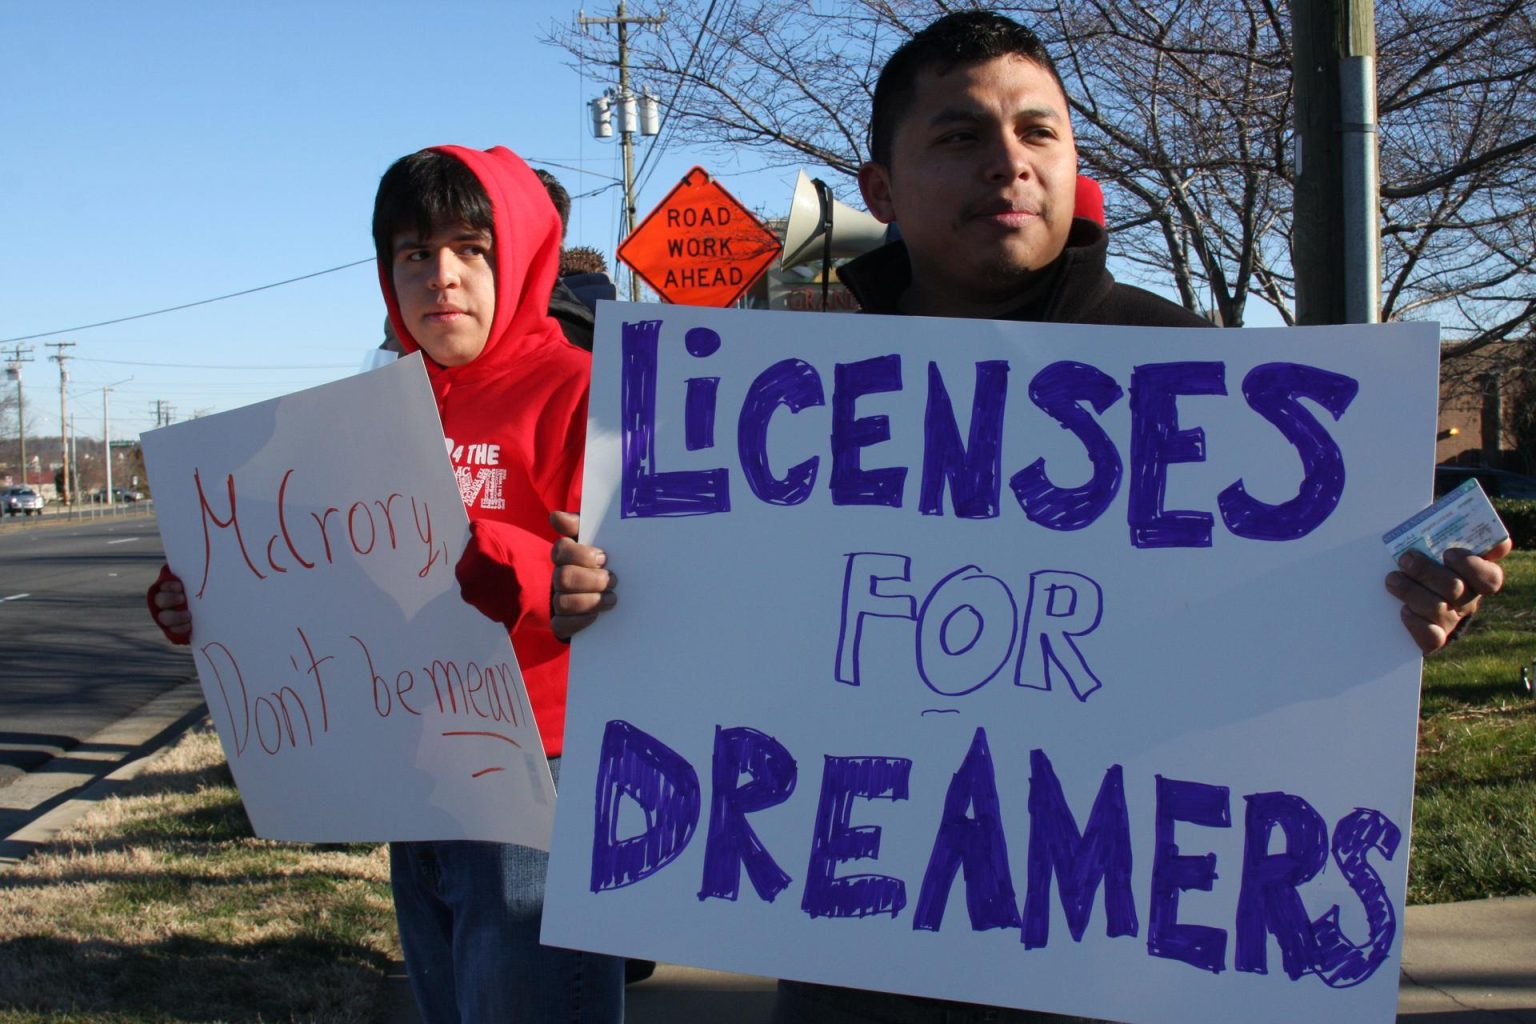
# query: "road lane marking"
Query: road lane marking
125,540
14,597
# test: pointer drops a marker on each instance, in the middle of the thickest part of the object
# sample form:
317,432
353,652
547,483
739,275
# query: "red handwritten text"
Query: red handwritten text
279,718
363,527
469,690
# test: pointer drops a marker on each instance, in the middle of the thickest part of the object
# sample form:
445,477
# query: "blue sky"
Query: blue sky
164,152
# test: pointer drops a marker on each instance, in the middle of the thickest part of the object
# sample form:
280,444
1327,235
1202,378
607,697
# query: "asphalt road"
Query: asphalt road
77,648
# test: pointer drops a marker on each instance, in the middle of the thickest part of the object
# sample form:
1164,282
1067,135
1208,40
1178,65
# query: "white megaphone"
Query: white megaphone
815,218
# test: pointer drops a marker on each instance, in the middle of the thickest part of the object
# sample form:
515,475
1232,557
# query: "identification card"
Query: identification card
1463,518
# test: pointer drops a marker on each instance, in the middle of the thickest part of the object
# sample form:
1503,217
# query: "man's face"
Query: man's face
446,287
982,181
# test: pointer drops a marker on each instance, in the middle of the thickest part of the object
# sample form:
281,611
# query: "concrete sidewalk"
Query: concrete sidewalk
1463,963
1470,963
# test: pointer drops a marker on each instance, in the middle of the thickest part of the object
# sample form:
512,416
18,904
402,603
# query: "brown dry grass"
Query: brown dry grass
159,906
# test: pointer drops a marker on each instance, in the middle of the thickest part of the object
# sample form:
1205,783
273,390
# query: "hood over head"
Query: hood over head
525,255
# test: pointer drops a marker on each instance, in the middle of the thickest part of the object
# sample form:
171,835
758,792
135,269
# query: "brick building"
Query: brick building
1480,396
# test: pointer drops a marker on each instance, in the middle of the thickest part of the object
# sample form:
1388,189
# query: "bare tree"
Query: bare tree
1458,109
1183,111
790,78
10,444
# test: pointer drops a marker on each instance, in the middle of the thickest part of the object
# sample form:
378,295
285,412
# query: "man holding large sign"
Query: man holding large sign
1163,706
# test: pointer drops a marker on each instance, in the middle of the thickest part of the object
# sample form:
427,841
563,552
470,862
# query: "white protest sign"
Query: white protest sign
1021,664
358,698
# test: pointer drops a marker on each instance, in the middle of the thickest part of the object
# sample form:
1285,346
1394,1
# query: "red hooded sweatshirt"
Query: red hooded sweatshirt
515,421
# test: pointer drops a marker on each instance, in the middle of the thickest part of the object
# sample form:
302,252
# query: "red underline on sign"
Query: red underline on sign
485,771
492,735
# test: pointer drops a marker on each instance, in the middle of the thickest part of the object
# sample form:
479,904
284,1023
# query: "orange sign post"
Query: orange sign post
700,246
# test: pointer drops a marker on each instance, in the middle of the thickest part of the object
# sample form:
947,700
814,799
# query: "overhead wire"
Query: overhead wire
660,142
186,305
219,366
581,77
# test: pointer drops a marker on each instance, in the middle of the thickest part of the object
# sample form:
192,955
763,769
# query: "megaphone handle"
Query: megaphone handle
824,194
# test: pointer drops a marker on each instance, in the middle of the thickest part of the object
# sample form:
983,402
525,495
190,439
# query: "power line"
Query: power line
599,190
666,135
578,170
187,305
222,366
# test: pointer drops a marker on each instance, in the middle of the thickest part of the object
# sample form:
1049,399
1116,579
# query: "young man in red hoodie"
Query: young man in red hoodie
468,247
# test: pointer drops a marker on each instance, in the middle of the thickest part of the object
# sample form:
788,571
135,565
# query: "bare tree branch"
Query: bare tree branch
1183,111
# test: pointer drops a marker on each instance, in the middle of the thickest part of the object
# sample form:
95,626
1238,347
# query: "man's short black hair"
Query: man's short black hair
423,191
966,37
582,259
557,195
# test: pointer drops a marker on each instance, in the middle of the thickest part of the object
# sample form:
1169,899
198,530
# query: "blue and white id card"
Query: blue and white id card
1463,518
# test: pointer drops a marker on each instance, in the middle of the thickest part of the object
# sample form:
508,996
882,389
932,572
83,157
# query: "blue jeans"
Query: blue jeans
469,915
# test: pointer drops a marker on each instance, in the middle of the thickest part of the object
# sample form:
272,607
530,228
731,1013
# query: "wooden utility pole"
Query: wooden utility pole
1336,241
627,123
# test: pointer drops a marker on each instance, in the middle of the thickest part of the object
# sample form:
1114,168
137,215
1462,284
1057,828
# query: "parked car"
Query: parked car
22,499
1497,483
119,496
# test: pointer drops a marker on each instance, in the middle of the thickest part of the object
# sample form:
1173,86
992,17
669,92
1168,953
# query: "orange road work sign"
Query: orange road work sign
700,246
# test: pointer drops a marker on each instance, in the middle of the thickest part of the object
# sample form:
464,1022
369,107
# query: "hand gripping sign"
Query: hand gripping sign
1020,664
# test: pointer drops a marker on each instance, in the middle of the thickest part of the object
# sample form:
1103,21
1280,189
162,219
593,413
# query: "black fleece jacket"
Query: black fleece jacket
1081,290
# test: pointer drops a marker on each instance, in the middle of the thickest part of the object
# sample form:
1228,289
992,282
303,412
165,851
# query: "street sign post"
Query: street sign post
700,246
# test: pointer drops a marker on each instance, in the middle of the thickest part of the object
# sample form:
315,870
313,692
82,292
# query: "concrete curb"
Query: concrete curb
54,796
1472,961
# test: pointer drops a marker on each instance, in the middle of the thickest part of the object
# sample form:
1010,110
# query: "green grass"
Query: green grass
161,907
1474,829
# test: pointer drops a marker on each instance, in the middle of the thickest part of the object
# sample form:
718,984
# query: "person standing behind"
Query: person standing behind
584,271
577,289
468,246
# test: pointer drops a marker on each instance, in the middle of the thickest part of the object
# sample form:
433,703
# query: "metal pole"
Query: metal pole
1362,215
73,465
1336,252
106,441
106,436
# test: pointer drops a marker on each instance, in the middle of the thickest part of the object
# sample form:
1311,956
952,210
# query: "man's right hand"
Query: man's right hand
582,588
